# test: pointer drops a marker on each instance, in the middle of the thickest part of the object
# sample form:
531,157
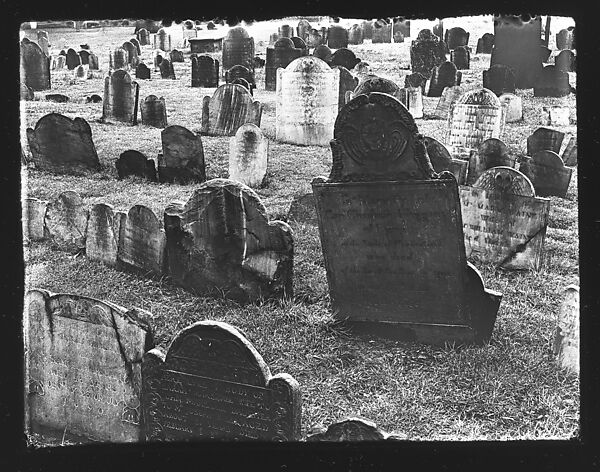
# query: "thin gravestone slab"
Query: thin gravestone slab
547,173
205,71
182,157
248,155
491,153
230,107
66,219
134,163
102,237
142,72
569,155
154,111
34,66
544,139
513,107
34,213
280,55
566,338
412,99
121,95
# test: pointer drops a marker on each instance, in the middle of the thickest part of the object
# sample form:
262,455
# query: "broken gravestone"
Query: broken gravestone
351,429
544,139
442,160
182,157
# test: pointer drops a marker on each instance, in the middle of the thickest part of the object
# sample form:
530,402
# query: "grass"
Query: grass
508,389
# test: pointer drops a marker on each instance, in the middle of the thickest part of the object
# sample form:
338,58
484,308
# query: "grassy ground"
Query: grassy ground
510,388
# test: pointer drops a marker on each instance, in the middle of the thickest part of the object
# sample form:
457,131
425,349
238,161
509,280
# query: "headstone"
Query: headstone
564,39
120,97
42,34
230,107
455,37
240,72
499,79
382,32
566,336
300,44
34,214
307,102
314,38
347,84
26,93
555,116
248,151
544,139
285,31
438,29
154,111
133,162
391,233
551,82
513,107
415,80
66,219
442,160
302,209
504,223
82,366
35,67
73,59
367,29
94,98
176,55
62,145
137,45
238,49
461,57
444,75
446,102
93,63
426,52
491,153
337,37
162,40
221,241
166,69
142,71
412,99
143,37
56,97
547,173
84,56
362,69
374,83
60,62
565,61
485,44
350,429
355,34
102,237
80,72
322,52
244,83
205,71
182,157
401,25
132,55
43,44
119,59
569,155
303,29
344,57
545,53
213,384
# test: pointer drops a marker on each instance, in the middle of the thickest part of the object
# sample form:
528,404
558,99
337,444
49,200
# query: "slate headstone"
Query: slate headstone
162,40
240,72
133,162
299,43
34,67
120,97
59,62
314,38
166,69
347,84
547,173
367,29
564,39
230,107
182,157
499,79
102,237
491,153
56,97
238,49
442,76
80,72
205,71
248,151
375,83
137,45
142,71
355,34
302,209
285,31
66,219
43,44
381,32
176,55
94,98
545,53
303,29
543,139
93,63
565,61
551,82
85,56
485,44
442,160
337,37
513,107
143,37
132,54
461,57
344,57
244,83
323,52
73,59
154,111
566,337
415,80
455,37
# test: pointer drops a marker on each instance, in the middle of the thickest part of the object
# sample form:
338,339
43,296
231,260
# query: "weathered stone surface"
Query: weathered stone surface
73,59
303,210
455,37
566,337
206,44
182,159
34,213
141,240
344,57
221,241
285,31
569,155
551,82
119,59
367,28
85,56
322,52
162,40
166,69
63,145
82,366
438,29
176,56
66,219
565,61
280,55
442,160
59,62
303,29
513,107
307,102
449,97
143,37
415,80
137,45
485,44
213,384
374,83
545,53
543,139
230,107
133,162
381,32
460,57
314,38
80,72
102,237
499,79
564,39
491,153
337,37
93,62
26,93
412,99
350,429
240,72
120,97
154,111
238,49
142,71
442,76
132,54
299,43
56,97
248,151
355,34
205,71
547,173
555,116
34,66
347,84
244,83
426,52
401,25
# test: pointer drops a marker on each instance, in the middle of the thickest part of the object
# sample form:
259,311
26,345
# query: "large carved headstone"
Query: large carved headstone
307,102
551,82
248,151
230,107
547,173
63,145
280,55
213,384
154,111
491,153
426,52
544,139
442,76
102,237
238,48
73,59
205,71
221,241
66,219
120,97
35,67
182,159
455,37
391,233
83,366
337,37
566,338
133,162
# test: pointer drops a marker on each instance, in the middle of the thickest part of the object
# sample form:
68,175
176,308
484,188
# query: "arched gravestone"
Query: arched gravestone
285,31
551,82
415,80
426,52
221,241
355,34
93,63
85,56
442,76
120,97
166,69
446,102
213,384
56,98
102,236
142,71
565,61
441,160
504,222
132,55
350,429
230,107
244,83
547,173
26,93
299,43
569,155
565,346
143,37
363,69
544,139
382,32
154,111
564,39
322,52
182,157
119,59
344,57
134,163
238,49
455,37
66,219
141,241
491,153
136,43
303,29
205,71
176,56
475,117
35,67
83,366
162,40
517,45
280,55
485,44
314,38
401,25
460,57
73,59
248,151
513,107
374,83
210,26
337,37
347,85
438,29
240,72
499,79
391,233
62,145
367,29
307,102
412,99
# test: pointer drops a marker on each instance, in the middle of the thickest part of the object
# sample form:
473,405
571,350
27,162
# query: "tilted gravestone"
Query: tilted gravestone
547,173
441,160
337,37
412,99
66,219
565,61
564,39
93,62
447,100
62,145
73,59
391,233
213,384
307,102
102,237
121,96
176,56
162,40
34,213
280,55
132,54
499,79
182,157
551,82
381,32
221,241
133,162
569,155
119,59
344,57
142,71
230,107
566,336
513,107
544,139
240,72
322,52
461,57
83,366
248,151
143,37
34,67
485,44
238,49
205,71
355,35
166,69
351,429
442,76
491,153
154,111
455,37
504,223
347,84
426,52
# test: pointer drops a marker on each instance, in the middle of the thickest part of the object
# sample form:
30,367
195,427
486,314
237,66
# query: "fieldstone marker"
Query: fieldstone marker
154,111
118,59
460,57
133,162
449,97
66,219
513,107
391,233
307,102
82,366
485,44
566,337
162,40
569,155
564,39
34,67
120,97
182,157
426,52
456,37
34,214
547,173
499,79
565,61
240,72
73,59
238,49
412,99
444,75
551,82
350,429
62,145
344,57
248,151
205,71
543,139
280,55
102,237
355,34
555,116
337,37
142,71
221,241
302,209
230,107
491,153
166,69
132,54
213,384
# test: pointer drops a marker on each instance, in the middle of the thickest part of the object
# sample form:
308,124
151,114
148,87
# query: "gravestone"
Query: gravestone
119,59
280,55
564,39
444,75
141,241
238,49
547,173
59,62
93,63
382,32
132,55
34,67
565,61
303,29
374,83
240,72
299,43
166,69
230,107
80,72
143,37
205,71
455,37
513,107
221,242
43,44
485,44
544,139
83,366
569,155
26,93
102,237
347,85
412,99
302,209
426,52
438,29
66,219
154,111
133,162
447,100
314,38
307,102
94,98
248,151
162,40
566,336
491,153
322,52
441,160
137,45
176,55
415,80
62,145
499,79
56,97
213,384
391,233
244,83
120,97
367,29
355,34
337,37
73,59
285,31
517,45
401,25
551,82
142,71
344,57
362,68
504,223
350,429
545,53
460,57
34,214
182,157
555,116
85,56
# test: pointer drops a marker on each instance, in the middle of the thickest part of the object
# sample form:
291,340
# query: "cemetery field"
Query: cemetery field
510,388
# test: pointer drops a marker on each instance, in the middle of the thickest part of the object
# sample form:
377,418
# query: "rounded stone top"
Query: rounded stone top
480,96
310,64
322,52
285,43
237,32
335,28
425,34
